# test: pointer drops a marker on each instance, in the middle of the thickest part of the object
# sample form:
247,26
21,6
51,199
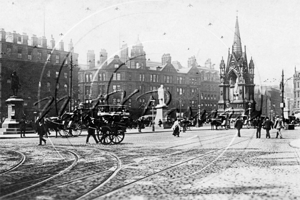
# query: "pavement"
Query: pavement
294,143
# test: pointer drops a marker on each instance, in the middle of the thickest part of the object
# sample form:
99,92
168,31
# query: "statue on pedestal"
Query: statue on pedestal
15,85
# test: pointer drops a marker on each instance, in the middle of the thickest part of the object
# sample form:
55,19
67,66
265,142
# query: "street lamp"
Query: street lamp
282,84
152,120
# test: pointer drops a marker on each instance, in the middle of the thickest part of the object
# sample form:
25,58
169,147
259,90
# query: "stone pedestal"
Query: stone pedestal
14,113
160,110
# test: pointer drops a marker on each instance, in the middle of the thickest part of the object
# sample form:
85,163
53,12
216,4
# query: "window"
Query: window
101,76
153,78
66,87
48,73
142,77
101,89
116,87
39,55
137,65
66,75
57,59
48,87
87,90
180,91
56,74
8,50
117,76
180,80
88,77
19,52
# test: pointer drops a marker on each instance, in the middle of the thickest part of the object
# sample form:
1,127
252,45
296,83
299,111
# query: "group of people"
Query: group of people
266,124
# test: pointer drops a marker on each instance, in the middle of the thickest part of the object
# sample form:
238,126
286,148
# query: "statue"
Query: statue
161,95
15,85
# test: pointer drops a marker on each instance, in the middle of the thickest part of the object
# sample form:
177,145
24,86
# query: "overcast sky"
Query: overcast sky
269,29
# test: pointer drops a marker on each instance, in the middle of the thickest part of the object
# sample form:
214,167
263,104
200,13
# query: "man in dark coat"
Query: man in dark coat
258,123
91,130
239,125
268,125
41,130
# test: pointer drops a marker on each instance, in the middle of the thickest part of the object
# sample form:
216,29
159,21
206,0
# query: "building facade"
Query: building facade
189,86
237,79
296,81
43,70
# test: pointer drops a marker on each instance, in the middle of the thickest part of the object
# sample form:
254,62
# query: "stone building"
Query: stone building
189,86
39,66
296,81
237,78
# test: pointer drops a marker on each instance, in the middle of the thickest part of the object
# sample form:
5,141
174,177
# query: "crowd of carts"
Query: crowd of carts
110,123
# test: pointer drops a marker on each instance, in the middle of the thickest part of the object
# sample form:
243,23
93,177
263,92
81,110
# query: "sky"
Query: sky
269,29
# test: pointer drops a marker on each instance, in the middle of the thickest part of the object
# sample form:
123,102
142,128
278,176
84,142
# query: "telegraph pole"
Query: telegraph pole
70,83
282,95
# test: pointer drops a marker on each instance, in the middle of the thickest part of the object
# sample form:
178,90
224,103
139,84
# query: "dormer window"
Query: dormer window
116,65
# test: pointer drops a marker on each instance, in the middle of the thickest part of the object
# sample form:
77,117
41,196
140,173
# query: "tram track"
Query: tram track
95,192
209,153
76,158
15,166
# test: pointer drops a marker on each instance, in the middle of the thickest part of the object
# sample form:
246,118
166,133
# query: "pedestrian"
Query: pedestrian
159,122
22,125
258,124
278,126
176,128
41,131
91,130
268,125
238,125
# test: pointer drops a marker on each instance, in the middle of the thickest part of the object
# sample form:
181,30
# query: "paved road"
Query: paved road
200,164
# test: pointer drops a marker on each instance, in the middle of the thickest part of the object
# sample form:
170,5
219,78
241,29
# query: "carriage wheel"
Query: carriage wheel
76,129
117,136
103,135
63,132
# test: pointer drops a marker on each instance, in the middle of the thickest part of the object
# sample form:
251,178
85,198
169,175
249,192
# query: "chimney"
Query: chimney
34,40
103,57
52,41
44,42
2,35
91,59
25,39
61,45
15,37
71,48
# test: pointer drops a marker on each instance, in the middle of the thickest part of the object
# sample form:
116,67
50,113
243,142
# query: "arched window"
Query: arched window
66,87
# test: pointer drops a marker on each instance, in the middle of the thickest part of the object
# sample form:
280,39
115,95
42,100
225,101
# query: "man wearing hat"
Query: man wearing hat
278,126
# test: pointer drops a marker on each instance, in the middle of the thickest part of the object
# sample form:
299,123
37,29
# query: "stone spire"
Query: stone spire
237,44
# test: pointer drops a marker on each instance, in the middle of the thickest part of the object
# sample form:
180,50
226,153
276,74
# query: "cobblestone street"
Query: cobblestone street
200,164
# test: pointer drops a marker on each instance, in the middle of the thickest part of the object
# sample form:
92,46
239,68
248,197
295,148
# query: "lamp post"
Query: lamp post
282,84
152,120
249,114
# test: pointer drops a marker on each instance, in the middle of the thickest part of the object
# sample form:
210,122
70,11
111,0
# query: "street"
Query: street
200,164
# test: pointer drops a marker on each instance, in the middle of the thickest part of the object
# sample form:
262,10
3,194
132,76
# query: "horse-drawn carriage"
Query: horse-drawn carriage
110,123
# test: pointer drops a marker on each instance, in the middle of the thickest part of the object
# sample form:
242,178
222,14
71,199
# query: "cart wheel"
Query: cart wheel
117,136
76,129
63,132
103,135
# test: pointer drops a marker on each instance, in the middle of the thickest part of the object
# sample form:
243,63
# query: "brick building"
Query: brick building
190,86
38,65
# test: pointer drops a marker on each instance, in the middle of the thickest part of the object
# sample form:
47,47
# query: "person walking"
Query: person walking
22,125
239,125
268,125
91,130
41,131
278,126
258,124
176,128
